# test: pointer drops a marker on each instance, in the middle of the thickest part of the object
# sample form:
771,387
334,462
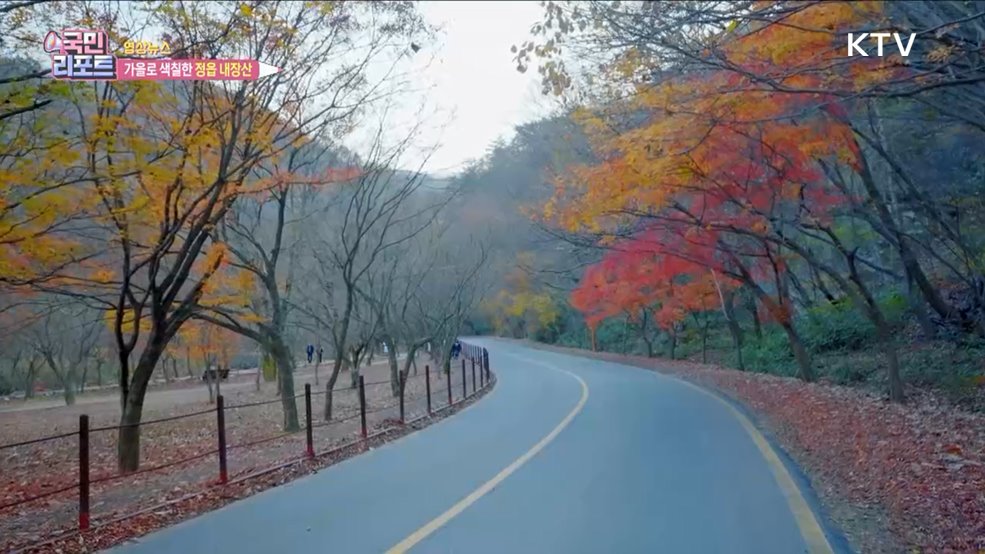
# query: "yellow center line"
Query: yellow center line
436,523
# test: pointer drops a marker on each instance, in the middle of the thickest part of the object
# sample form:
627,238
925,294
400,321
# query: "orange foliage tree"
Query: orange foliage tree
154,168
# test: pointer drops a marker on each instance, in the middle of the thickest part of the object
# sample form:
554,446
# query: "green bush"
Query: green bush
840,326
770,354
836,326
895,307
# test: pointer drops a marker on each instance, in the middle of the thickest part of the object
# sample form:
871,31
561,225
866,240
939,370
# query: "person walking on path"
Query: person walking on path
321,351
311,351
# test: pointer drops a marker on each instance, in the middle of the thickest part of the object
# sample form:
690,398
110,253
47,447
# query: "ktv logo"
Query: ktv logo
855,43
80,54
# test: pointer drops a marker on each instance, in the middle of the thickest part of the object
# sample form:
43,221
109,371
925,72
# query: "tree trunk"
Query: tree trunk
82,379
757,327
391,356
728,306
704,344
353,370
67,379
625,337
285,381
128,447
208,382
328,403
805,371
339,336
68,391
128,443
919,307
30,377
644,322
188,362
673,343
99,372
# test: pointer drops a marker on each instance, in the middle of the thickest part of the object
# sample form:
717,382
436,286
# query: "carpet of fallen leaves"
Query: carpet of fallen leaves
159,496
922,462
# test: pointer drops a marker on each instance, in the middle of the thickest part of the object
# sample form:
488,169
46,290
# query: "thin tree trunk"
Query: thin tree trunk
644,324
805,371
65,377
30,377
208,381
704,344
394,369
919,307
753,310
728,306
82,379
328,403
353,369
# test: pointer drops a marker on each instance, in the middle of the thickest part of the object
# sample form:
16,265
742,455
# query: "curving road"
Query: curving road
566,455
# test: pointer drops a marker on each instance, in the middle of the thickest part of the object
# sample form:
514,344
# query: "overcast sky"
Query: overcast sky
474,92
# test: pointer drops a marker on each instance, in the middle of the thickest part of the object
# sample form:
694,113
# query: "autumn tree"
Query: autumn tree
740,136
365,219
161,165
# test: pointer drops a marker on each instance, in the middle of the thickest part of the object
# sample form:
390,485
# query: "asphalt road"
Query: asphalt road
566,455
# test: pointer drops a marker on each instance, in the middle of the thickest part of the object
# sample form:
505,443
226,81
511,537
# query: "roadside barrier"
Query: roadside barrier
224,451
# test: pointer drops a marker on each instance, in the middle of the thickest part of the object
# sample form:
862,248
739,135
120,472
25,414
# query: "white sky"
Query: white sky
473,88
467,82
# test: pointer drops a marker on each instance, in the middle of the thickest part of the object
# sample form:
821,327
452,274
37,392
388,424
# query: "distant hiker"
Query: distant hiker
320,352
456,349
311,352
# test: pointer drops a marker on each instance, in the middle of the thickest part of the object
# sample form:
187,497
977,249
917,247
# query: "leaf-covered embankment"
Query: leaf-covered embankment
922,464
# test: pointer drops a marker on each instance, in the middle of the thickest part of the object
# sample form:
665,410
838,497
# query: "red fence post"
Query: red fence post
448,378
362,404
83,472
220,417
473,376
427,385
465,392
307,420
403,383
